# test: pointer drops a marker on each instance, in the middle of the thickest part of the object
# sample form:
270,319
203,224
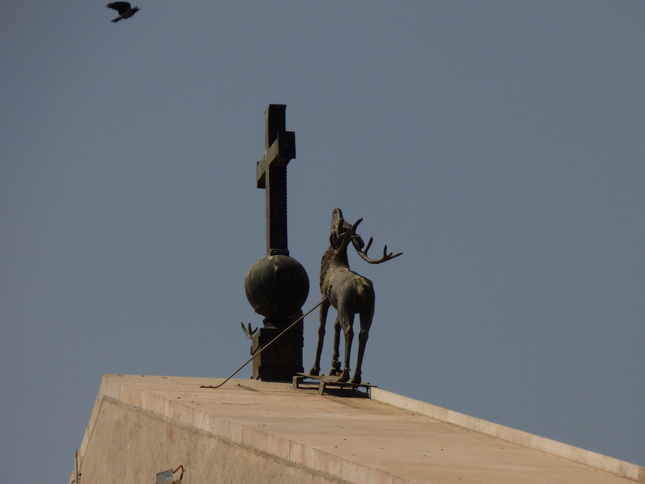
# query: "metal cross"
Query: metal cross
279,149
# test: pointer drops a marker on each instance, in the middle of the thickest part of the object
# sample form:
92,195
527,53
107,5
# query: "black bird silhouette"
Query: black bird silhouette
124,8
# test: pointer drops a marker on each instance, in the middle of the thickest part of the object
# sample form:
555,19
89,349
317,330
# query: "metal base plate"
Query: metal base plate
328,381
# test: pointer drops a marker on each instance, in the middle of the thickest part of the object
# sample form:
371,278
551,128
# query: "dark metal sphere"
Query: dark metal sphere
277,286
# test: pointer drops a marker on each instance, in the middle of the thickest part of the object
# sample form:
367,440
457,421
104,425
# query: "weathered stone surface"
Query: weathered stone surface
253,431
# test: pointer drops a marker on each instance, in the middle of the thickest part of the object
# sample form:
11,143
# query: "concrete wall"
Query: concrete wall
130,446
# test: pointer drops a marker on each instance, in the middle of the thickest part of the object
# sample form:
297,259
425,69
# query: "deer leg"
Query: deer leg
315,370
348,328
362,342
363,335
335,359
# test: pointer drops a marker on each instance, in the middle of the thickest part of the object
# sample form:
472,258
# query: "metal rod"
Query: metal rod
78,478
268,344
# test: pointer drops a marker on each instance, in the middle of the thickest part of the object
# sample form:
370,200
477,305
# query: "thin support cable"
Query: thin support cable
268,344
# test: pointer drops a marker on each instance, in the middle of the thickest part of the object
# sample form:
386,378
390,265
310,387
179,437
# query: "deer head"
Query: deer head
342,233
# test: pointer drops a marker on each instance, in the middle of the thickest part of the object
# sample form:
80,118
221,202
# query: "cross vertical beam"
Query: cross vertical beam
271,174
276,285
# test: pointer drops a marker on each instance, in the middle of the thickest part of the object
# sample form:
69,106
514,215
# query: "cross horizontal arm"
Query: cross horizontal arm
278,154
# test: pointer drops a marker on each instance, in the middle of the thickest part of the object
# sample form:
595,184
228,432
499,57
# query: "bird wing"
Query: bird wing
120,7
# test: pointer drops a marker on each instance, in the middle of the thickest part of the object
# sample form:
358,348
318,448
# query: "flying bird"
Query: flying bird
124,8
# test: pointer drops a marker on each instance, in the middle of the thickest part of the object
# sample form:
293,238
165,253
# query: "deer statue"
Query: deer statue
349,293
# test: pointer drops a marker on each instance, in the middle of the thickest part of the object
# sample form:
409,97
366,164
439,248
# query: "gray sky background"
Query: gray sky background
499,144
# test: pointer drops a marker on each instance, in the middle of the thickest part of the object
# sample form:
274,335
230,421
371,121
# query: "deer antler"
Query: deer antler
340,240
386,256
344,235
250,332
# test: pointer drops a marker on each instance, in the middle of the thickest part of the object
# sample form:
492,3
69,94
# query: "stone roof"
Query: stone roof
334,437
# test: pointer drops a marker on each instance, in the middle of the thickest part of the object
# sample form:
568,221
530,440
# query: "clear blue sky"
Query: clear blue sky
499,144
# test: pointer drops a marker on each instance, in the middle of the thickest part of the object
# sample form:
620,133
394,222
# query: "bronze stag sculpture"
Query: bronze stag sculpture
349,292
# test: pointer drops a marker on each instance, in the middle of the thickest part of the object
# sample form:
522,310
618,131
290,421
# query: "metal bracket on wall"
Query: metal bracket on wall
167,477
